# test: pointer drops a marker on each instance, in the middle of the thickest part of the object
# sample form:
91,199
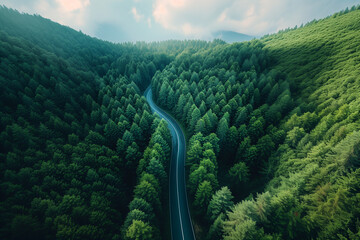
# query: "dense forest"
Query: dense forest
272,128
74,128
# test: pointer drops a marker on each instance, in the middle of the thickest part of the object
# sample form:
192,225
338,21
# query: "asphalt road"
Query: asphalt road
181,225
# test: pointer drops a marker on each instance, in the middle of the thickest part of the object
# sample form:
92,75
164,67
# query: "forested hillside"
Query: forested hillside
315,189
272,127
230,104
283,109
74,127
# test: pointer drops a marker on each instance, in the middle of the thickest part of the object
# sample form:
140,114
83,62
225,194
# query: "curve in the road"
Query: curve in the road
180,221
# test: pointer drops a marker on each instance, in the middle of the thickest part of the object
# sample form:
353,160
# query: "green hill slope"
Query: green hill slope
323,53
274,121
74,126
315,190
80,50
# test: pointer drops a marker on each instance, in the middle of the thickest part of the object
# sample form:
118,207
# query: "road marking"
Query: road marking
177,165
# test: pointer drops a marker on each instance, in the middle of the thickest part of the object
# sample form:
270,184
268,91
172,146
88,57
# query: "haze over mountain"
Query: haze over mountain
230,36
179,139
154,20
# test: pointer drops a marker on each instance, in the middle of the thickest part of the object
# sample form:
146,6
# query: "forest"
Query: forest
272,129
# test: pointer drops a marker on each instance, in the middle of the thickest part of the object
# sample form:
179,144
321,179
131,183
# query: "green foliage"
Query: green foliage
203,196
220,203
225,107
215,231
135,214
151,188
76,136
148,192
313,192
73,129
157,169
274,105
139,230
25,227
239,172
246,230
141,204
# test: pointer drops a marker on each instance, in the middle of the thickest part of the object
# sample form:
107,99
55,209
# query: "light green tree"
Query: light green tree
221,202
139,230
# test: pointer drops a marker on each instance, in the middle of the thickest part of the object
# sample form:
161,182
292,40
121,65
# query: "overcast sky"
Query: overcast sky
153,20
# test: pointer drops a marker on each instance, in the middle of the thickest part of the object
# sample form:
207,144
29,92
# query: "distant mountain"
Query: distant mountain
230,36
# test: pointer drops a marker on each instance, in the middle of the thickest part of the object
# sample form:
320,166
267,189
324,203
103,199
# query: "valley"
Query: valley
179,139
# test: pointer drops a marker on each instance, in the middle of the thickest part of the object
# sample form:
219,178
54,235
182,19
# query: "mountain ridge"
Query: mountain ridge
232,36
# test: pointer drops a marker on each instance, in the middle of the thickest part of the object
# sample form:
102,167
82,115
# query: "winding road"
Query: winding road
180,221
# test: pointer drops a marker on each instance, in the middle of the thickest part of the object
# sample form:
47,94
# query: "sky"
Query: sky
156,20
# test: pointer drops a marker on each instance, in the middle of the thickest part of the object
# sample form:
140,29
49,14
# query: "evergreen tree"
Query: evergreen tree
203,196
239,172
156,168
220,203
139,230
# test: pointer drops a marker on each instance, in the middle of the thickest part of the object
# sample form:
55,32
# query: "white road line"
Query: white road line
177,165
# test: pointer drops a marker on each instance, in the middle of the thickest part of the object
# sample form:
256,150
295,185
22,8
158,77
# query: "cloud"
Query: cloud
67,12
187,16
149,22
72,5
255,17
136,15
178,19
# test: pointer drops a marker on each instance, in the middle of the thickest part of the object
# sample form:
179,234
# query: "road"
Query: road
180,221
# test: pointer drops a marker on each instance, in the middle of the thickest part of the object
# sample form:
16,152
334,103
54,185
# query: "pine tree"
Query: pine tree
239,172
200,127
157,169
139,230
195,152
195,117
148,192
203,196
195,178
222,131
220,203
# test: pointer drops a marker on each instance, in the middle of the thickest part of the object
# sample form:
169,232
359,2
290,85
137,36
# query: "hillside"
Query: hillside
272,128
275,122
315,189
74,126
